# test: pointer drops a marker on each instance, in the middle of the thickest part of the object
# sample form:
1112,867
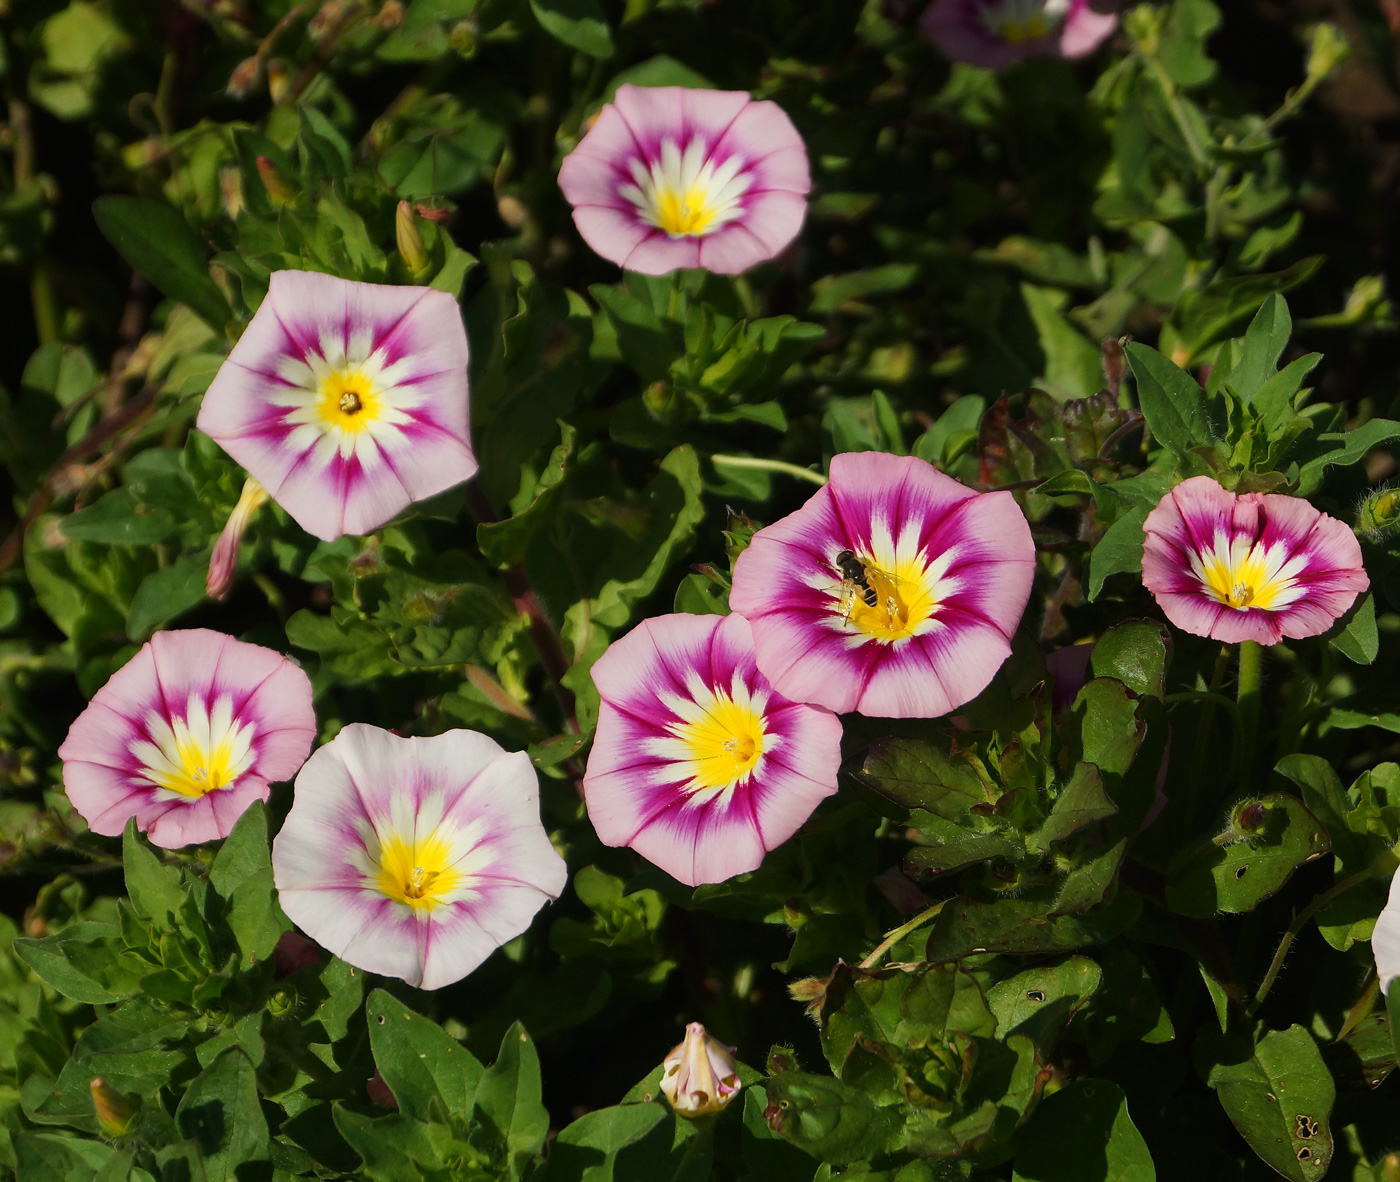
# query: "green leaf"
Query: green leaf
1359,640
221,1112
963,415
1238,876
1264,343
167,593
431,1074
398,1148
84,962
1025,925
1082,802
241,875
48,1157
157,241
915,774
577,23
508,1099
831,1121
1119,551
1083,1133
850,287
589,1147
155,890
1109,729
505,542
1174,405
1281,1100
1137,653
1205,315
1345,447
1039,1002
114,519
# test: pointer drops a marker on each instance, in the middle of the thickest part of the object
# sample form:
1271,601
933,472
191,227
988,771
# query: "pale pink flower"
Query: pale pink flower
700,1075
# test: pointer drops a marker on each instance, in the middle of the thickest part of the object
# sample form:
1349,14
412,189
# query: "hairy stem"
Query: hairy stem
770,466
1247,695
900,932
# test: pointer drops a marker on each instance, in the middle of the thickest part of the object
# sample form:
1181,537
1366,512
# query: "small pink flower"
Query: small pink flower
186,735
670,177
1255,567
894,591
700,1075
698,763
995,33
346,401
416,858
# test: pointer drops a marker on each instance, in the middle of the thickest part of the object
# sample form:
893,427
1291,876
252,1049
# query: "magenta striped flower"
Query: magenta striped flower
698,763
186,735
670,177
1254,567
415,858
346,401
894,591
995,33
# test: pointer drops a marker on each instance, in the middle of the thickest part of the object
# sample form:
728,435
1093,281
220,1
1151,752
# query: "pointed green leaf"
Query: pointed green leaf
1083,1133
430,1073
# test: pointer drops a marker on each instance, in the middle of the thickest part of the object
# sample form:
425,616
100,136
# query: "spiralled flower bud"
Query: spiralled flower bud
1379,513
410,240
389,17
224,561
116,1111
245,74
700,1076
1247,819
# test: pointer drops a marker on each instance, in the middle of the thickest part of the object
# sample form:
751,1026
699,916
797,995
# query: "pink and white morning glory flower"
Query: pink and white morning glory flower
698,763
1255,567
671,177
346,401
894,591
186,735
413,857
995,33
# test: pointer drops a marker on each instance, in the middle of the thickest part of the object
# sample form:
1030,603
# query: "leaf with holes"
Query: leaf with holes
1281,1099
1238,876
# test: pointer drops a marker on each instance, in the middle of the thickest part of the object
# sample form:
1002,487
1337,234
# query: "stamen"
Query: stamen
730,744
419,880
1241,594
350,402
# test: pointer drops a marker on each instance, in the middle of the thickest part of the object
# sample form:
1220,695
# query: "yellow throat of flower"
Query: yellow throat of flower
906,597
348,399
198,769
417,871
1243,579
723,745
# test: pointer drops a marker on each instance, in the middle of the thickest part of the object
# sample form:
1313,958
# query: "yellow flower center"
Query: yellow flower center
1018,32
1242,575
686,194
907,596
348,399
723,745
1019,21
417,871
201,753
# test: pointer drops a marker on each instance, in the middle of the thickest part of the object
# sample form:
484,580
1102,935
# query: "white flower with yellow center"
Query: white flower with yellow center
346,401
186,735
415,858
673,177
697,763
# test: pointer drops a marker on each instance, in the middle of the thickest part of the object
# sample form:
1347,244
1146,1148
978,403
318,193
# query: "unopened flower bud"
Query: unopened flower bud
231,186
389,17
276,80
462,38
1379,513
244,76
1248,817
326,19
224,561
116,1111
1115,362
278,188
410,240
700,1075
432,213
1388,1168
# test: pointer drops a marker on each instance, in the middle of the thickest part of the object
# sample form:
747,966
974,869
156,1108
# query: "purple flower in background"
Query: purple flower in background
412,857
186,735
670,177
894,591
698,763
995,33
346,401
1254,567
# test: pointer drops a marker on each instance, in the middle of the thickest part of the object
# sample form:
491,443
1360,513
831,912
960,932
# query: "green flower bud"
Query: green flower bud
1379,513
410,240
116,1111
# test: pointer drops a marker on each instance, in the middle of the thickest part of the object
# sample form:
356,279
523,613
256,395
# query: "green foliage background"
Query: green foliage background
1088,989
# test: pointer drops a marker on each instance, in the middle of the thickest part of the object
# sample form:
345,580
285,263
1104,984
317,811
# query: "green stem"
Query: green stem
1178,114
770,466
899,933
1300,921
48,318
1247,694
1211,697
